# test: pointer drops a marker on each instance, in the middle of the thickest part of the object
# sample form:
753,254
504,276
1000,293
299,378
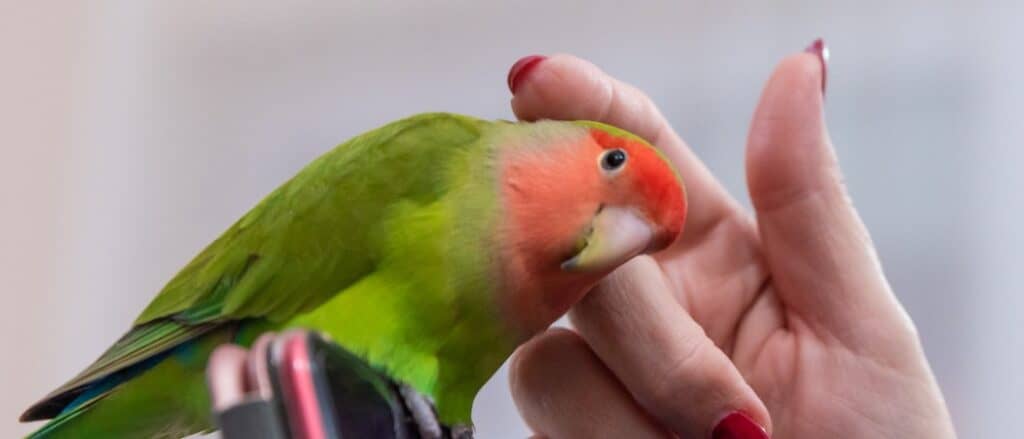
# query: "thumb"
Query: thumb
821,259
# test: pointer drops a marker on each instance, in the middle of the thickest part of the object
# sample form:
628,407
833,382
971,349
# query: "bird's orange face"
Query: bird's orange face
579,208
647,182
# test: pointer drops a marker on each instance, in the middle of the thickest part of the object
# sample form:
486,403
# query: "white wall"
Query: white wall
134,132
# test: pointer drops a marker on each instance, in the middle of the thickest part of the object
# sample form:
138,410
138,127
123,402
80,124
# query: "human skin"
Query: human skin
776,324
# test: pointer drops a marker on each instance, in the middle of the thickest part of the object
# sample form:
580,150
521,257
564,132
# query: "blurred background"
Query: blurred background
134,132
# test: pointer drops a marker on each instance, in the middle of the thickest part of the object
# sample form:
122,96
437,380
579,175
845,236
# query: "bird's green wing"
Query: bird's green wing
305,242
310,238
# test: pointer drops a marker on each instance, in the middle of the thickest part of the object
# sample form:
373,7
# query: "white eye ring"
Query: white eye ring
612,161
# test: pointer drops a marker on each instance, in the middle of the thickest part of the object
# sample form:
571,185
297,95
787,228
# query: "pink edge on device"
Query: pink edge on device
297,381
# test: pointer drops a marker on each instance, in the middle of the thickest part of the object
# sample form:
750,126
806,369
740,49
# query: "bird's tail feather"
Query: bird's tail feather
168,400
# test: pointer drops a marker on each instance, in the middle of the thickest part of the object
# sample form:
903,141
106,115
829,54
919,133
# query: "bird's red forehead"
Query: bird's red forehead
654,180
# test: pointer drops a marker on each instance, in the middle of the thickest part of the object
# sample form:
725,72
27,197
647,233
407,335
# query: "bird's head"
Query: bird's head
581,199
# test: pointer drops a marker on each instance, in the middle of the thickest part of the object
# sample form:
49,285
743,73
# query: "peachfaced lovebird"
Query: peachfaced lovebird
430,247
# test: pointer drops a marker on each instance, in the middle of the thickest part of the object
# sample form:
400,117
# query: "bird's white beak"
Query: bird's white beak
616,235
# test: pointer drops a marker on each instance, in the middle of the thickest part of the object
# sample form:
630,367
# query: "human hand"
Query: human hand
780,323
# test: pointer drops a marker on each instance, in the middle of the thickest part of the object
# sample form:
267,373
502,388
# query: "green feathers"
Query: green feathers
381,243
315,227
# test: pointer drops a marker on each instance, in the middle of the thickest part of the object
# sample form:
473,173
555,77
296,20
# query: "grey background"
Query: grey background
134,132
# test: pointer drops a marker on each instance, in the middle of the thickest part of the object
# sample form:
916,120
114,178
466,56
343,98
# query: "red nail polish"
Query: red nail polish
521,69
819,48
738,425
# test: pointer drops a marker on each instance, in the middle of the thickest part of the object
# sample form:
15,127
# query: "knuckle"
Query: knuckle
527,369
673,380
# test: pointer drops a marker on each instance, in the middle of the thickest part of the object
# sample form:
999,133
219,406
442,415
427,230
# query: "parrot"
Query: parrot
430,247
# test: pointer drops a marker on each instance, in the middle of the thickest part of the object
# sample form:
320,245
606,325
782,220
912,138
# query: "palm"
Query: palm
803,374
802,378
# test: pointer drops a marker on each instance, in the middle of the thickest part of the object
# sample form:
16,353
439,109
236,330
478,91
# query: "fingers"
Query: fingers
257,371
568,88
822,261
224,376
564,87
563,391
668,364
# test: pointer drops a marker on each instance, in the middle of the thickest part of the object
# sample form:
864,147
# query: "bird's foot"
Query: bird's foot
425,417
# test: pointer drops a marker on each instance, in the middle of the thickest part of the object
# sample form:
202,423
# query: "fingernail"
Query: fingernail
737,425
819,48
521,69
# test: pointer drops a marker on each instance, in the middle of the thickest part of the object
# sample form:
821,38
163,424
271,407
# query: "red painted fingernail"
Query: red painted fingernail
819,48
521,69
738,425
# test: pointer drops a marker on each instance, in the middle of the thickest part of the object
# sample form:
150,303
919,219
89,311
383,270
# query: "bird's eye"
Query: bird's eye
613,159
